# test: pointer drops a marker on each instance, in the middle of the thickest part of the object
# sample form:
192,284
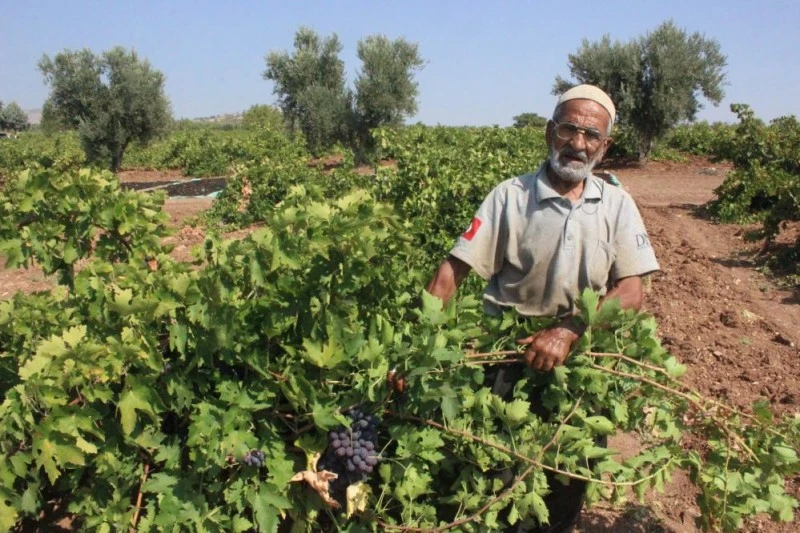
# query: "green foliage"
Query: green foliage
386,92
310,86
324,117
625,146
254,190
205,151
702,138
54,219
654,80
61,151
152,379
12,117
113,100
263,117
52,122
529,120
765,182
157,381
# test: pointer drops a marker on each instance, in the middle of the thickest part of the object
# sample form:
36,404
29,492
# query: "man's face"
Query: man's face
572,159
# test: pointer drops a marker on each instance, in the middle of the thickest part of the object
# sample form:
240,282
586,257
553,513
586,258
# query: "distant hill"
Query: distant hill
225,118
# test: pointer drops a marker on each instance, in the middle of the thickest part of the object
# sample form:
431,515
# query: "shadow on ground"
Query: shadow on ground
634,519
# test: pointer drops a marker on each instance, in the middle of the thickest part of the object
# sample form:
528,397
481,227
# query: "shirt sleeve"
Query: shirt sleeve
634,253
482,246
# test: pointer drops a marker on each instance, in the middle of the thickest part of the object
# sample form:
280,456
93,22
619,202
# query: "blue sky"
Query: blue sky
485,61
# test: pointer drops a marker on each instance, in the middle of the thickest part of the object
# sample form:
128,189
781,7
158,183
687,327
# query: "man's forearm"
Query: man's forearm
448,277
629,291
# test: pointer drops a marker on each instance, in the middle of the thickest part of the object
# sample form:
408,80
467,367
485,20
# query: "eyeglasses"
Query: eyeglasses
568,130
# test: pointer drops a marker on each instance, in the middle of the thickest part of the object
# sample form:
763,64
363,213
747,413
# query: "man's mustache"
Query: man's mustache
574,153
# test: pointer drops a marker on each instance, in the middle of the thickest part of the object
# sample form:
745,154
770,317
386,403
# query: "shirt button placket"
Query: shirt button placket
569,242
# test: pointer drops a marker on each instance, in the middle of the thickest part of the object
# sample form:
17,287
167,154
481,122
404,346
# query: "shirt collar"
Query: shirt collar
544,191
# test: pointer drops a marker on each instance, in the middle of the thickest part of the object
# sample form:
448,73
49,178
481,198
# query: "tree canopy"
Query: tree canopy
386,92
112,99
534,120
312,93
656,80
310,86
12,117
260,116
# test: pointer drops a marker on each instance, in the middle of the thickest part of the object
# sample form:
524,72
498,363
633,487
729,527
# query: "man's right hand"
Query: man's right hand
548,348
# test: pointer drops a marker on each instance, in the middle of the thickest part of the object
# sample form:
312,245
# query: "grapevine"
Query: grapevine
235,393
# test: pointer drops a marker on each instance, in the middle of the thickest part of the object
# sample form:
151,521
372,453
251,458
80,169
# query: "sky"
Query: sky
485,62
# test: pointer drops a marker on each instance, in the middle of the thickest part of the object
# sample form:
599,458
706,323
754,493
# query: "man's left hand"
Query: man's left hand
548,348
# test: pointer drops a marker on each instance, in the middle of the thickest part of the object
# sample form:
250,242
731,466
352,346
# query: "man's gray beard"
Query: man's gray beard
570,173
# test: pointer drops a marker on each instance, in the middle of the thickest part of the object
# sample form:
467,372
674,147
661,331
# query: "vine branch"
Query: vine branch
685,387
696,400
525,459
139,497
508,490
690,399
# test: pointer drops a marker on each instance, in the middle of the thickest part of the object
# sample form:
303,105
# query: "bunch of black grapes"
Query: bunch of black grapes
254,458
352,452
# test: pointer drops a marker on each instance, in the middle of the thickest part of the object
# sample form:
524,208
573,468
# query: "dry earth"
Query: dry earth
737,332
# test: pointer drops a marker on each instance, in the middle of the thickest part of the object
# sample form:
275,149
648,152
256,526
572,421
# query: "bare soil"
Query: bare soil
144,175
736,330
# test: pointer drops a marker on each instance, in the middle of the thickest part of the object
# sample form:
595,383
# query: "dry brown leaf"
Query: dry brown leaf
319,481
247,191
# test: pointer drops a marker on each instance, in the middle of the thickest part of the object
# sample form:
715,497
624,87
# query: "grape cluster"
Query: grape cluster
254,458
352,452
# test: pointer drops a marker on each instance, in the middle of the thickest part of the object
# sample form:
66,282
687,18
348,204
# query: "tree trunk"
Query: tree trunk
645,150
116,157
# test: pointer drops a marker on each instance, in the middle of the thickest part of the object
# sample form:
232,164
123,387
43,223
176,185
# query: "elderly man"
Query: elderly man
540,239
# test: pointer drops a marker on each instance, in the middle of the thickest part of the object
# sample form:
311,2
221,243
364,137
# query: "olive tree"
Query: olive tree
386,92
656,80
529,120
12,117
311,88
112,99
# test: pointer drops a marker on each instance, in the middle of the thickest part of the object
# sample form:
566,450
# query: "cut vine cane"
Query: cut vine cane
532,464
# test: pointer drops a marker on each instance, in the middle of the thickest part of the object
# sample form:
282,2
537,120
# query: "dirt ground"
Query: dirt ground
735,329
140,176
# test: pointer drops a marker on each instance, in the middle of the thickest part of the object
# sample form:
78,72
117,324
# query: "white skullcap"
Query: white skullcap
589,92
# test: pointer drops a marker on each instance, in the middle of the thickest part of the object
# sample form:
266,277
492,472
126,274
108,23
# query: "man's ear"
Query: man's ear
548,132
607,144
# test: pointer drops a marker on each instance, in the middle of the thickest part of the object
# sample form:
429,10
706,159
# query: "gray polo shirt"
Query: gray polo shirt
538,250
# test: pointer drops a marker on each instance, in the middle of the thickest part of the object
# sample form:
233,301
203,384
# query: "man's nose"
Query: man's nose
578,142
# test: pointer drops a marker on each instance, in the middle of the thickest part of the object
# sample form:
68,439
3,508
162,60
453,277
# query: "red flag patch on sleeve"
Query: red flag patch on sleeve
472,229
